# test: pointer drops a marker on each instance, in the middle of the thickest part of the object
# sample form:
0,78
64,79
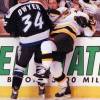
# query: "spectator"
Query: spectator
12,3
3,7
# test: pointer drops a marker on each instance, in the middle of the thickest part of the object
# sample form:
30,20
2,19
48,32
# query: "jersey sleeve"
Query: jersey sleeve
9,25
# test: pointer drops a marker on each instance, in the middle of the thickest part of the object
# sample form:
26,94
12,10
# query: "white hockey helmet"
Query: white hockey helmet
79,13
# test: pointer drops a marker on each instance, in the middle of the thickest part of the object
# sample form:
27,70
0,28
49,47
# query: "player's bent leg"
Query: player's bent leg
17,80
57,72
43,70
22,59
47,47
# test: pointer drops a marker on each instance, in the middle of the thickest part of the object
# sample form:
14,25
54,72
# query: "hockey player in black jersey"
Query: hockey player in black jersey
27,20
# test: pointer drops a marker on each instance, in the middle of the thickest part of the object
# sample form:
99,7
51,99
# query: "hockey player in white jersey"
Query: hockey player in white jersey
67,27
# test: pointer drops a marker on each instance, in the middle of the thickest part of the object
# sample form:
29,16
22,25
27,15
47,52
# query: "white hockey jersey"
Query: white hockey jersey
68,20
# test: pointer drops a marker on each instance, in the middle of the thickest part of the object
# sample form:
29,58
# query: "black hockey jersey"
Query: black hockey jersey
28,19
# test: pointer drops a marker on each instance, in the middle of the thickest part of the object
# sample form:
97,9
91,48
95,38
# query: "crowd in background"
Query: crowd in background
6,4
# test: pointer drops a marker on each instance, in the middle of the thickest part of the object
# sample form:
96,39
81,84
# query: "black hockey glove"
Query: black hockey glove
81,21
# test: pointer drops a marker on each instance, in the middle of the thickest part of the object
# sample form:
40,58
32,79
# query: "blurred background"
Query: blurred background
4,6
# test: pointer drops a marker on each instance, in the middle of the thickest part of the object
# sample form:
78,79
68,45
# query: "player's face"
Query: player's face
52,4
76,5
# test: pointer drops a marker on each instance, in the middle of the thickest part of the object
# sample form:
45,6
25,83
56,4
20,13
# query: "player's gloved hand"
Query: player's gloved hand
82,21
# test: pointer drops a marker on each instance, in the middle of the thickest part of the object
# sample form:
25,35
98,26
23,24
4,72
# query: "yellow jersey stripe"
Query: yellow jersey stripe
47,59
64,30
64,25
